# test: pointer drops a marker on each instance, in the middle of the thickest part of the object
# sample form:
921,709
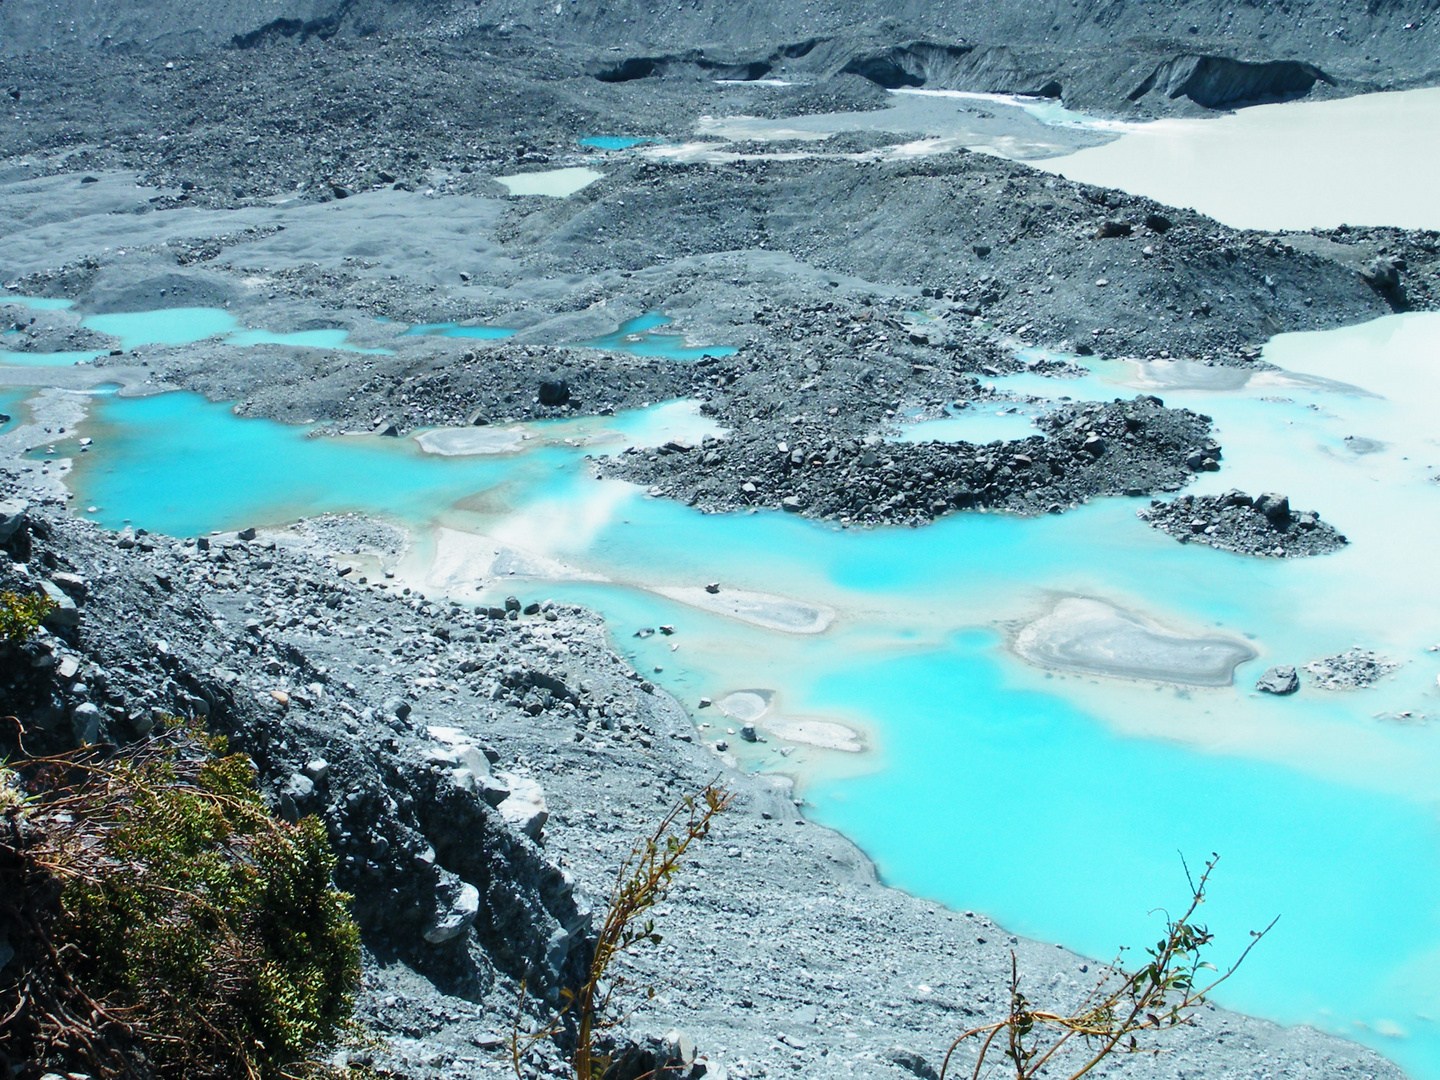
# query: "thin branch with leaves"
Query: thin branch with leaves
1120,1009
642,882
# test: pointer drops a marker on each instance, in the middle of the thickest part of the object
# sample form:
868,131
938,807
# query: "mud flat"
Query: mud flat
1097,638
464,442
758,609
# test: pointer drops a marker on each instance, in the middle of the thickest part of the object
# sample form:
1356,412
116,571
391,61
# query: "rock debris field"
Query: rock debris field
306,166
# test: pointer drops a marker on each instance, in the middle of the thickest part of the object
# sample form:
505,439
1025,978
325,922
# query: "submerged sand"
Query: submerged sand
1098,638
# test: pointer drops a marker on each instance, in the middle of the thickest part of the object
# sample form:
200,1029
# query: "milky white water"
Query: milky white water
556,183
1368,160
1015,127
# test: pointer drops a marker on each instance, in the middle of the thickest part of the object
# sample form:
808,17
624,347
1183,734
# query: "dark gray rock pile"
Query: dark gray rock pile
1119,448
1353,669
1264,525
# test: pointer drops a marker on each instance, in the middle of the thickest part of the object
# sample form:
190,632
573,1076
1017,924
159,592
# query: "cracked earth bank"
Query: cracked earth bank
316,166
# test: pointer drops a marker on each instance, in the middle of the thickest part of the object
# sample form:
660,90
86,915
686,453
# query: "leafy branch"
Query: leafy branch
1162,994
642,882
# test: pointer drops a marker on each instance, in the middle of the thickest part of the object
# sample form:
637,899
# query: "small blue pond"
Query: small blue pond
11,402
183,326
613,142
637,336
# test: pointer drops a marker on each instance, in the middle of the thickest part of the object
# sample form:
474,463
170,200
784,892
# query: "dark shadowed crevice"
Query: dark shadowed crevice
303,29
1218,82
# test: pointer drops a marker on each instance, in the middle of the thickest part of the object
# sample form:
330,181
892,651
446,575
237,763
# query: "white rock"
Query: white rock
86,719
525,808
679,1046
65,613
458,919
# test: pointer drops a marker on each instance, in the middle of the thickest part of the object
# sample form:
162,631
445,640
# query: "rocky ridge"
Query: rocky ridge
1122,448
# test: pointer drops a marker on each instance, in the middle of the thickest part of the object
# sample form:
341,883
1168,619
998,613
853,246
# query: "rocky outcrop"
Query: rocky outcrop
1218,82
994,69
461,890
300,29
694,63
1130,447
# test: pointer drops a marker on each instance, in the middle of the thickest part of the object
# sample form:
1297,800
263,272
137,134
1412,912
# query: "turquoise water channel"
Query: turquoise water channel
1060,803
638,337
612,142
187,325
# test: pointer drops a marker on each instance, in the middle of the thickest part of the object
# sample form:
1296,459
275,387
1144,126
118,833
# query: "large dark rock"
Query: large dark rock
554,392
1279,680
1383,275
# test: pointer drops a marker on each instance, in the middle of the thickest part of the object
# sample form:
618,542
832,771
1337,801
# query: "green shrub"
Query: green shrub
205,929
21,616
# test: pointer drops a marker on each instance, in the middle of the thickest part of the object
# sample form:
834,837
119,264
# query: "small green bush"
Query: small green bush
205,929
21,616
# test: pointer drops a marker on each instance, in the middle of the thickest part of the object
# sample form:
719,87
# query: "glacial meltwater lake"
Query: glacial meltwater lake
1367,160
1056,801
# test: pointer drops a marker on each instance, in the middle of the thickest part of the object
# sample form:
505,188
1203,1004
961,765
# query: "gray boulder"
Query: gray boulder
525,807
1274,506
12,517
86,719
457,904
65,613
1279,680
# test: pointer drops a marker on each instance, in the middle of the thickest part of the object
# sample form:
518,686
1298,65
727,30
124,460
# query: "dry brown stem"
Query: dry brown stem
1121,1007
642,882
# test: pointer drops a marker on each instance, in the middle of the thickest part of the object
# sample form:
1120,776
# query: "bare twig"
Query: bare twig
1162,994
642,882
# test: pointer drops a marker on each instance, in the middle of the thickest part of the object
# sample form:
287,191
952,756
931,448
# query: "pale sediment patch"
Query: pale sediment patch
747,706
467,442
1095,637
824,734
556,183
751,706
757,609
1190,375
465,561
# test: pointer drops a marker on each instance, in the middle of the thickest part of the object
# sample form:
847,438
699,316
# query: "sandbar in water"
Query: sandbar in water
1092,636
